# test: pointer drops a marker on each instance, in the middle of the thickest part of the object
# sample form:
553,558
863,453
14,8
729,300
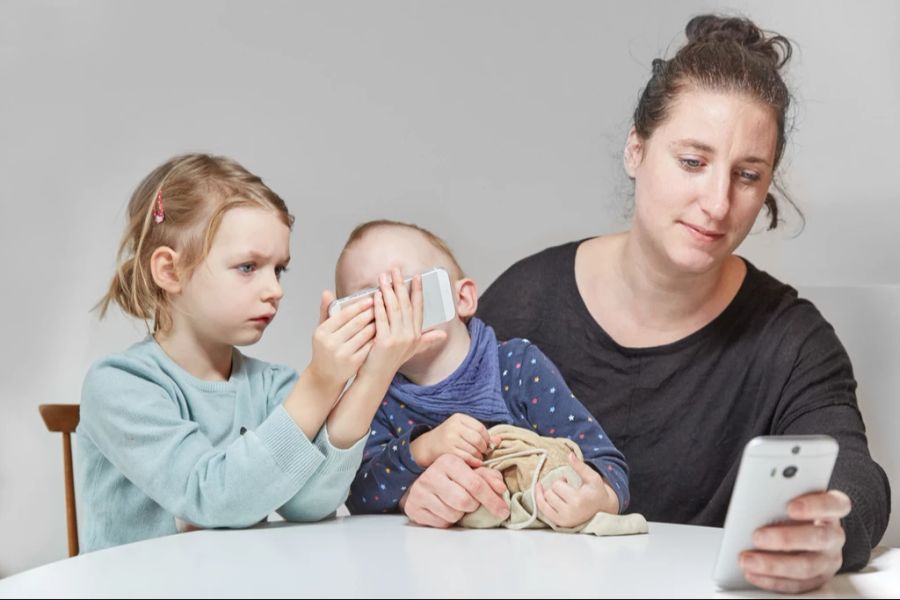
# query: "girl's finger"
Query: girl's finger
417,304
364,335
382,325
391,304
402,298
346,314
354,326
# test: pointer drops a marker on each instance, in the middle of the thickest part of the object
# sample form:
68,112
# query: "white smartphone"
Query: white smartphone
438,304
773,471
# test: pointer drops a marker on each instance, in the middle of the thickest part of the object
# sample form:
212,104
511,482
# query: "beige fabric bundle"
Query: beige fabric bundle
524,458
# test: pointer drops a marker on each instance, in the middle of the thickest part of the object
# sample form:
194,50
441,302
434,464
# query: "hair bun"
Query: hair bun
713,29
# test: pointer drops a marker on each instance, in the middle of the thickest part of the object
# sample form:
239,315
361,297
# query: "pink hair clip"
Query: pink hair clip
158,213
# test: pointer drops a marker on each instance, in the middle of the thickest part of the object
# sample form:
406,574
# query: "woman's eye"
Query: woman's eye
279,271
749,176
246,268
691,163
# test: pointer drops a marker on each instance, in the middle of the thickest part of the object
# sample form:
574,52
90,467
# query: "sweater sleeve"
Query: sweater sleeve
820,398
327,488
553,411
388,468
136,422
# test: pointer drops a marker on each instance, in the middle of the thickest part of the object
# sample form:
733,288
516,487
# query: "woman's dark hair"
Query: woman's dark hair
721,54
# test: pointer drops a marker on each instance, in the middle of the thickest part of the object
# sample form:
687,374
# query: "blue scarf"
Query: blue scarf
473,388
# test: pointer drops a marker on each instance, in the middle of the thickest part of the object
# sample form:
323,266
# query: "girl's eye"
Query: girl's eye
279,271
690,163
246,268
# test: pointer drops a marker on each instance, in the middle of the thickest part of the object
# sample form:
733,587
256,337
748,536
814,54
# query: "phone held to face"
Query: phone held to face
438,304
773,471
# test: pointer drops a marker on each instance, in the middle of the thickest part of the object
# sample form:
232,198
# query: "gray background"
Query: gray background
497,124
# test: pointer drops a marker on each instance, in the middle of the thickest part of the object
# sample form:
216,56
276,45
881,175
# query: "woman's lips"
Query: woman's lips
702,234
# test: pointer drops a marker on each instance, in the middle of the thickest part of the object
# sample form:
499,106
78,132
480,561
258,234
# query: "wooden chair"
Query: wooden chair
63,418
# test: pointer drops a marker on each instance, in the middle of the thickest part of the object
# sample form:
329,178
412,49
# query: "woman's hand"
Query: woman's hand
803,554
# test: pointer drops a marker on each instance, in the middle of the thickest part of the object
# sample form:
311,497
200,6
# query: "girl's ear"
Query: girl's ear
164,269
466,298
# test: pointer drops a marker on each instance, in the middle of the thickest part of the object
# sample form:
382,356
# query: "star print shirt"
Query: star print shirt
538,399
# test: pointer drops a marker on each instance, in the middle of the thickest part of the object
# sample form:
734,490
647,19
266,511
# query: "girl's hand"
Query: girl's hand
398,336
398,326
342,342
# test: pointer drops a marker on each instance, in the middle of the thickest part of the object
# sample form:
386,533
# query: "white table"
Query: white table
385,557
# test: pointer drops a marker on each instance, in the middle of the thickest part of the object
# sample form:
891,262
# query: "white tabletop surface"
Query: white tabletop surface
385,557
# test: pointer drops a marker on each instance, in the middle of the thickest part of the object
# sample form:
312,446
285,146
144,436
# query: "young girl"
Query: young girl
182,430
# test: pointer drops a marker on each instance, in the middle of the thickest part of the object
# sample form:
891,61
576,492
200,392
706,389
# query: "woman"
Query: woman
682,349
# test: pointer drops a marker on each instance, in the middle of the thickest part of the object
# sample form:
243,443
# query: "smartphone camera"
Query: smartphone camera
795,450
789,472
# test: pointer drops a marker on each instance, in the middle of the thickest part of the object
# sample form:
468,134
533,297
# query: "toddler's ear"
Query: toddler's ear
466,298
164,269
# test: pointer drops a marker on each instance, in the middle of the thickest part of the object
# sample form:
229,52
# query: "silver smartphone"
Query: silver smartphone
773,471
438,304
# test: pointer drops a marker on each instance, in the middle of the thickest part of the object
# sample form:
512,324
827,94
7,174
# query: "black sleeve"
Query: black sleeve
820,398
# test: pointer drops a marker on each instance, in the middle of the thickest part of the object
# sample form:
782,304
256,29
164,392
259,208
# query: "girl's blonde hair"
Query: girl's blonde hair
194,191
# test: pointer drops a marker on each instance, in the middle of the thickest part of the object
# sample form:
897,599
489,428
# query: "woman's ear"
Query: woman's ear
634,153
164,269
466,298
